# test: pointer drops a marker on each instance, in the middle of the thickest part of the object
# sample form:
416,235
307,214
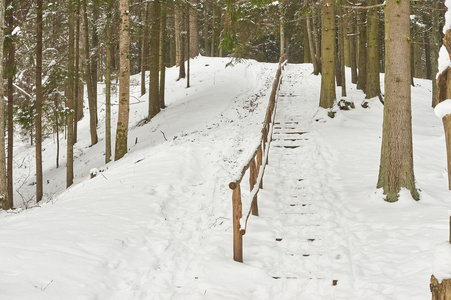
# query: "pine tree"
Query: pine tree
328,95
396,164
124,82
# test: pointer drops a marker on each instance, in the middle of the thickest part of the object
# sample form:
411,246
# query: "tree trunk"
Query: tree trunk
3,184
70,97
318,48
108,84
144,48
89,78
213,26
193,29
373,64
205,28
328,95
311,45
94,61
435,39
188,45
38,118
124,81
396,164
77,72
10,75
361,81
353,46
182,73
154,80
178,22
442,290
162,53
341,50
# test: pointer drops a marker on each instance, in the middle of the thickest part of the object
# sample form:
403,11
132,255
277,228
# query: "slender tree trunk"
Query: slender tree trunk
373,65
124,82
182,73
3,184
94,61
77,72
154,77
89,78
70,97
177,29
311,45
144,48
38,118
213,26
435,39
10,75
353,46
193,29
188,45
361,82
318,48
328,96
281,31
206,33
108,83
396,165
163,33
341,50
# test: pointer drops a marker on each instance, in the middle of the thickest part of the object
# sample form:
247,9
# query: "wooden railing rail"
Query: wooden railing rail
256,166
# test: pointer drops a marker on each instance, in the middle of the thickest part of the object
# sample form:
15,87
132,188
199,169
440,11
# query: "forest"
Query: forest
129,125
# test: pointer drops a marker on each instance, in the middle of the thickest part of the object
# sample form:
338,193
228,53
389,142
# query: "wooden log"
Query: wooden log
237,214
252,181
440,290
447,126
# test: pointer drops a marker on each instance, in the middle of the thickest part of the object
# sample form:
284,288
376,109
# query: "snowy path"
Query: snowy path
309,258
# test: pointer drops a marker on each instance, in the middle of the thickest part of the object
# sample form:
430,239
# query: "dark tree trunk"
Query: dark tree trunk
154,81
38,119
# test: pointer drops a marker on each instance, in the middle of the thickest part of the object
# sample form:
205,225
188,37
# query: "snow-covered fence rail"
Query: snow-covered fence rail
256,167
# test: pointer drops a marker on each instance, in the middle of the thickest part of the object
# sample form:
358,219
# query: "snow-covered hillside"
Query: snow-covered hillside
157,223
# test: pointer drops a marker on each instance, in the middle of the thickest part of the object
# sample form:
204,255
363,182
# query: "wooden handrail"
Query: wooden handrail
256,166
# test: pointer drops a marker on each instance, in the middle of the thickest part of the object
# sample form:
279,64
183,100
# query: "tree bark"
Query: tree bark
154,76
341,49
361,81
77,72
70,98
38,118
396,164
182,73
3,184
373,64
10,75
193,28
144,48
435,39
311,45
108,83
442,290
163,34
89,78
353,46
124,82
328,96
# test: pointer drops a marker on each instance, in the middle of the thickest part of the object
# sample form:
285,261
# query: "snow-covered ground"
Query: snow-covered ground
157,223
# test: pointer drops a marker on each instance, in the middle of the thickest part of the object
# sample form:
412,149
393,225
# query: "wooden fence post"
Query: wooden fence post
237,214
259,162
252,181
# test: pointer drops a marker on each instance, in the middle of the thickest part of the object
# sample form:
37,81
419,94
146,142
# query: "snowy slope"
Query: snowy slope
157,223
